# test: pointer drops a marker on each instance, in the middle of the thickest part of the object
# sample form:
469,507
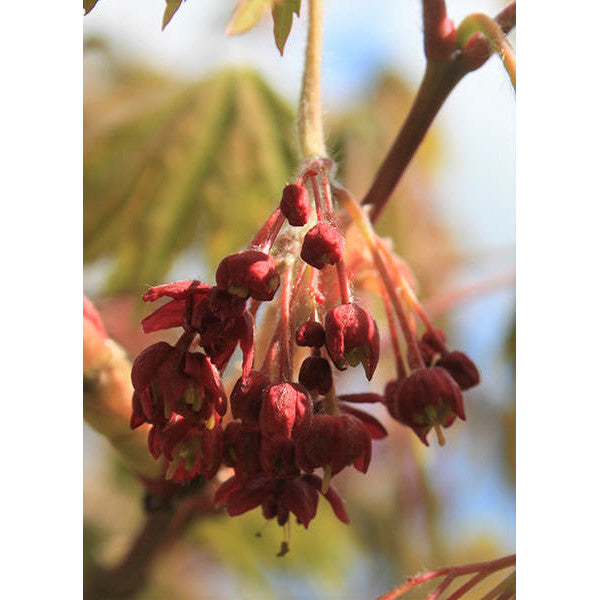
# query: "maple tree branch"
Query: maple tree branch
441,76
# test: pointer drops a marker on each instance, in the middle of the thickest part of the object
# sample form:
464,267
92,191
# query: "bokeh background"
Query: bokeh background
188,139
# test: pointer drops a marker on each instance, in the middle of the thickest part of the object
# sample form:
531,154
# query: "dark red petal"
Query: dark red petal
167,316
245,499
176,290
376,430
331,496
225,489
301,498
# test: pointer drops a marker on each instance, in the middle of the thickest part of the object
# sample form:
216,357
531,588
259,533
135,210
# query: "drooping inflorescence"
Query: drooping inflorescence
283,419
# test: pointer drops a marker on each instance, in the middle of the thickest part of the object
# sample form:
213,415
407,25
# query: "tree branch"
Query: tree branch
441,76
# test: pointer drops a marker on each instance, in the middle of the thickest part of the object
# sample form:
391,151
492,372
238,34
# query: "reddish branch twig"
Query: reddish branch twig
441,76
482,569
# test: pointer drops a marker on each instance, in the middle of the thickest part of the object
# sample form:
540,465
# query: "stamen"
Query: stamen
440,436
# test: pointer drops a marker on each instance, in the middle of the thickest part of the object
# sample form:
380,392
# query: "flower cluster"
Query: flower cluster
276,429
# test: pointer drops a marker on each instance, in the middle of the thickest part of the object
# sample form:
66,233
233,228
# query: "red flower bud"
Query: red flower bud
248,273
352,337
461,368
310,333
322,245
246,398
286,410
315,374
295,204
427,398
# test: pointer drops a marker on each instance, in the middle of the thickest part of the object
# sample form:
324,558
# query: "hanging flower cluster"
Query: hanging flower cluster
283,427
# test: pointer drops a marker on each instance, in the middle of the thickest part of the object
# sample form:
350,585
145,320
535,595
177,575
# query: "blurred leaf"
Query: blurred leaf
170,166
171,8
246,15
88,5
247,545
283,13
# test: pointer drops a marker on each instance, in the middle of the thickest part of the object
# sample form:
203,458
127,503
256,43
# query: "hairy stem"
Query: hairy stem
310,123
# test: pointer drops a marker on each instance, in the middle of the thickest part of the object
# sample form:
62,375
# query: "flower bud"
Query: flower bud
310,333
315,374
461,368
248,273
295,204
322,245
352,337
286,410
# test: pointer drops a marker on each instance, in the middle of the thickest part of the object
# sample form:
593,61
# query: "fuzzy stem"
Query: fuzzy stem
364,225
400,368
343,281
493,32
285,368
310,123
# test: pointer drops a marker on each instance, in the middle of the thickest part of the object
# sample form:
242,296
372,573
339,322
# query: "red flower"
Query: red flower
352,337
338,441
279,497
427,398
168,379
248,273
286,410
295,204
191,449
322,245
220,319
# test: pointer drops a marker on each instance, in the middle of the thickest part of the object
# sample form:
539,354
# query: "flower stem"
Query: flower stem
481,23
310,122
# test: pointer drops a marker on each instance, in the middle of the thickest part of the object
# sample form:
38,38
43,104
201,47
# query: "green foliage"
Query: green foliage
177,173
283,13
322,550
248,13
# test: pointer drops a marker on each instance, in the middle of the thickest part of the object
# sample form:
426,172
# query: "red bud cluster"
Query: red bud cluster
282,427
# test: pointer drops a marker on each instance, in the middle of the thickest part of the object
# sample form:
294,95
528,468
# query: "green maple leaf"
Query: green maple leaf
246,15
283,13
88,5
171,8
